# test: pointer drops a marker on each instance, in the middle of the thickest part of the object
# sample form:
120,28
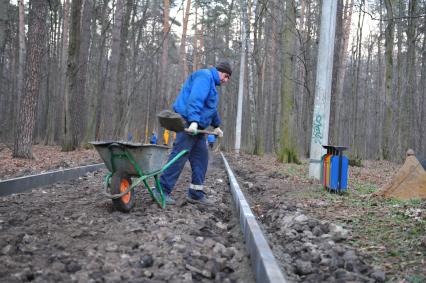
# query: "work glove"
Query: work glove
218,132
193,128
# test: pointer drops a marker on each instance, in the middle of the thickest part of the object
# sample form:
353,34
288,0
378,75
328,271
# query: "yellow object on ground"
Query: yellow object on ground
408,183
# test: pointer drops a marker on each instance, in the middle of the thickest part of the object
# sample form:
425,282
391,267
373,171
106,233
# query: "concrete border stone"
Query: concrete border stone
263,262
25,183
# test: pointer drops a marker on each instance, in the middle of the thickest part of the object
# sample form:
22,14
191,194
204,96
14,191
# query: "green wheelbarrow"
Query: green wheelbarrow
131,164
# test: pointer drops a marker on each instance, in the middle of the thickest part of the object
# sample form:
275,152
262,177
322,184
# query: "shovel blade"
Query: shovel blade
172,121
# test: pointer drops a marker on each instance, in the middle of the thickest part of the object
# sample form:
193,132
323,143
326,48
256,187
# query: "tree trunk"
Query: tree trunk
288,150
53,76
258,61
122,90
132,102
250,63
83,63
195,50
21,60
355,142
337,68
411,105
4,8
27,112
379,98
340,71
73,99
367,103
399,83
63,70
422,90
201,58
165,53
389,38
92,130
111,87
182,54
7,106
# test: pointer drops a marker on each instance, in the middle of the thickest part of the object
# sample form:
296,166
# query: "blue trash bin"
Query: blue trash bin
338,169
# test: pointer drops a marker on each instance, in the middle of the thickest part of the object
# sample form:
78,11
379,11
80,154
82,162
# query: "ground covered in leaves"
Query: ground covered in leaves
46,158
389,235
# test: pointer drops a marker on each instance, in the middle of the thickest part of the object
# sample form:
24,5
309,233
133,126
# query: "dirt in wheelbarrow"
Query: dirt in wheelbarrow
70,232
318,236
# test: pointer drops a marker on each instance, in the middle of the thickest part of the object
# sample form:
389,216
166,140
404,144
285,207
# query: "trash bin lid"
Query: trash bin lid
336,147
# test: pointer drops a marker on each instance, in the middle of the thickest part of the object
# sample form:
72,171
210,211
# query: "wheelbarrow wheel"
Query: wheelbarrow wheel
119,183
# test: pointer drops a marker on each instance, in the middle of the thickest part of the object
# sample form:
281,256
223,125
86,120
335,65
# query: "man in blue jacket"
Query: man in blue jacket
153,139
197,103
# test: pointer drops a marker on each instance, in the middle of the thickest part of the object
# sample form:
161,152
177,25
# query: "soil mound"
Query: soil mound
408,183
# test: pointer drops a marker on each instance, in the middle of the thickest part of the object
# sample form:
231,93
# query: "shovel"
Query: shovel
172,121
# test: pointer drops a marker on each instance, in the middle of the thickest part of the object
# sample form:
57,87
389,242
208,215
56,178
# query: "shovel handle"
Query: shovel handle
201,132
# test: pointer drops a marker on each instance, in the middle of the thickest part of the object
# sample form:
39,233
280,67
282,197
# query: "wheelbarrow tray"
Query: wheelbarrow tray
149,157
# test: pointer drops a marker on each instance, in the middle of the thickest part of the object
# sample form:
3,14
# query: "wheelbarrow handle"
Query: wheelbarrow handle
201,132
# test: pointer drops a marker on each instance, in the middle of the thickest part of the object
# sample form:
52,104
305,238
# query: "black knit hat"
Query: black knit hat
224,67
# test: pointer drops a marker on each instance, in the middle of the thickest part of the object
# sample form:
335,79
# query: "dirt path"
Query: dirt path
70,233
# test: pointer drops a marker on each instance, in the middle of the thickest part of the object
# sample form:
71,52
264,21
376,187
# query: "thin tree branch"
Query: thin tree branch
390,19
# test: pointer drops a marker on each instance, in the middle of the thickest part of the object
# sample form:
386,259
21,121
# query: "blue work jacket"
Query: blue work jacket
198,98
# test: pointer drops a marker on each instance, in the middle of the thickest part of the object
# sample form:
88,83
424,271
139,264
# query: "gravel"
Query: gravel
69,232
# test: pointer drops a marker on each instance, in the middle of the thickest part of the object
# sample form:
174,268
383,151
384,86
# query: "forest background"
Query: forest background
82,70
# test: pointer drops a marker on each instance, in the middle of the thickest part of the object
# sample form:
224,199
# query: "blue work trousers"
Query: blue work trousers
198,158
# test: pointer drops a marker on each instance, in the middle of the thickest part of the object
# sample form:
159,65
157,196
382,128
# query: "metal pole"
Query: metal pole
321,115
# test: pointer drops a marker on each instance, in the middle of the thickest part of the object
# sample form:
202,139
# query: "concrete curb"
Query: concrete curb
263,262
25,183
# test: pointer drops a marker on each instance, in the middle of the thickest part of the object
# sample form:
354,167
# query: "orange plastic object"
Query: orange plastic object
327,170
123,187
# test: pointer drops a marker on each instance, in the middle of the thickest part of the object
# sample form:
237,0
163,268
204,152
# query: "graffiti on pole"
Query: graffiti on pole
317,129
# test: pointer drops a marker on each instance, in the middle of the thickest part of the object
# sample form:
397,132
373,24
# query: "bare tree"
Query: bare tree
73,99
83,63
258,64
5,98
422,86
4,7
400,77
121,97
288,150
343,28
195,44
411,108
165,52
63,63
389,42
99,58
355,88
36,43
22,52
250,83
111,83
182,55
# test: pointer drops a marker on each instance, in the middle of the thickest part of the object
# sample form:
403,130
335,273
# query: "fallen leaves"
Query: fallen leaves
46,158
